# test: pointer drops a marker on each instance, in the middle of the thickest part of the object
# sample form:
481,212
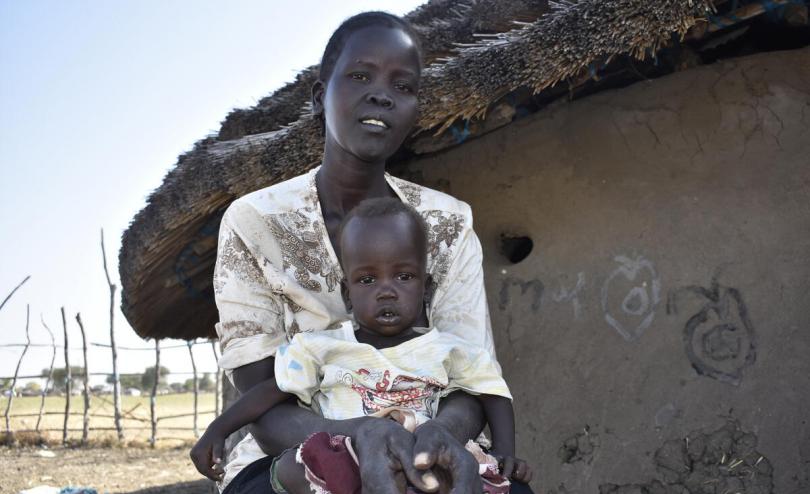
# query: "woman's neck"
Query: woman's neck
344,181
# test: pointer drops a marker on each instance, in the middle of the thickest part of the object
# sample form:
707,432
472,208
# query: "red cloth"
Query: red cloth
331,467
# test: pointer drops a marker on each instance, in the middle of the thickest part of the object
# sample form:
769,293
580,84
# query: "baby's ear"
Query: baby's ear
344,292
318,90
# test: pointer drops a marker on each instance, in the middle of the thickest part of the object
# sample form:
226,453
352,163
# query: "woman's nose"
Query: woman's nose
381,99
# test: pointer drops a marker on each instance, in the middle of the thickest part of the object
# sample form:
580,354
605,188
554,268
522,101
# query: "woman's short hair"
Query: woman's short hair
354,24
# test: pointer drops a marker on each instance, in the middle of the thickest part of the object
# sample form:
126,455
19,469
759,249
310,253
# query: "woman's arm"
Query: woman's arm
384,448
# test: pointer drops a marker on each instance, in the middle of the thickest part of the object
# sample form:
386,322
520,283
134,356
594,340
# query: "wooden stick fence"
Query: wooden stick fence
153,398
154,419
19,362
86,393
50,372
116,380
196,387
118,416
68,378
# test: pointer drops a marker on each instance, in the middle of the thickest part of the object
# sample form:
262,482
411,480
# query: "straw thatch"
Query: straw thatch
167,254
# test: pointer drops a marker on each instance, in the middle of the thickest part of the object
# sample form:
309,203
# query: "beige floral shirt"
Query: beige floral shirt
277,275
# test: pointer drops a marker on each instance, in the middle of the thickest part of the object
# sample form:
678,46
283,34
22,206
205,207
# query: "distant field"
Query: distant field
135,410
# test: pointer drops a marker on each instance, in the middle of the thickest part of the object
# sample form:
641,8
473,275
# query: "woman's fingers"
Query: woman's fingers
401,450
463,470
385,454
508,467
435,447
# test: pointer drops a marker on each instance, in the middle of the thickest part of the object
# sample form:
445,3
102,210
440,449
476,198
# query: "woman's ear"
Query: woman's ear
318,90
430,290
344,292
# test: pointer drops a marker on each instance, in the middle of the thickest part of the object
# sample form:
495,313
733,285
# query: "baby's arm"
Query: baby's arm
501,418
207,453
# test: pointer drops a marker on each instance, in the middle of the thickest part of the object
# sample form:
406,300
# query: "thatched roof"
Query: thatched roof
167,254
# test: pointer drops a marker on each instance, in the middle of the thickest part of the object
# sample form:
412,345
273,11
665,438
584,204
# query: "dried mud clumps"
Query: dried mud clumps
579,448
724,461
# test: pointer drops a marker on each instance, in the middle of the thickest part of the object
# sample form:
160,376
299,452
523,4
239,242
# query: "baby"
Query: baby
382,365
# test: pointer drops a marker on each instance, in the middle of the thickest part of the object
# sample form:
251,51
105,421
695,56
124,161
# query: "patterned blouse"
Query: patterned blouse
277,275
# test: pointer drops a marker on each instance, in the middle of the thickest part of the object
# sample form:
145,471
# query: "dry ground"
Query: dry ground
135,410
134,468
113,470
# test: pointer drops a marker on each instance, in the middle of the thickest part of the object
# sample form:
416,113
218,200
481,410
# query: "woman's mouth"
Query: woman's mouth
375,124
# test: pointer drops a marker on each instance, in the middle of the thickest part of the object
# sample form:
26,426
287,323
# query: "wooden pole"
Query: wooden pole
14,290
68,379
116,377
153,397
196,387
17,369
50,372
86,391
217,382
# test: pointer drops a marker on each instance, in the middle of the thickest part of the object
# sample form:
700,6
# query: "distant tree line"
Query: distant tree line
143,381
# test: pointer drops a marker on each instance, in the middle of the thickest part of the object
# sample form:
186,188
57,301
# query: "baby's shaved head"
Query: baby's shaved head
387,207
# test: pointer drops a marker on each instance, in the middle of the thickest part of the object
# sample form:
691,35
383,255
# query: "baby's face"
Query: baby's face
384,264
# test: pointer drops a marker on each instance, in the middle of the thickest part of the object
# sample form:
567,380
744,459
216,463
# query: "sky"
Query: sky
97,100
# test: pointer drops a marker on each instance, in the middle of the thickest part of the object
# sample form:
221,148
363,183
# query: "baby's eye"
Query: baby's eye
405,276
404,87
366,280
359,76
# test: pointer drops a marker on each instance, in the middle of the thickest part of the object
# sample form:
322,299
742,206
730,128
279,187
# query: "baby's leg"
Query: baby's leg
290,474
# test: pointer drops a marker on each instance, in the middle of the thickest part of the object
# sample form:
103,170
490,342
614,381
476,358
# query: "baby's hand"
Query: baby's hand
207,455
515,469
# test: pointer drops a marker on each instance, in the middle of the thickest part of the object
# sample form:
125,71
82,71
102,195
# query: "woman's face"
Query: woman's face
370,100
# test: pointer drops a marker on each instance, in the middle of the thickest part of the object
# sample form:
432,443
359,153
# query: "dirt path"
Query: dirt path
112,470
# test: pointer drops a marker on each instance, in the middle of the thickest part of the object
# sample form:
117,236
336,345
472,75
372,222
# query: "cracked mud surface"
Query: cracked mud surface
716,462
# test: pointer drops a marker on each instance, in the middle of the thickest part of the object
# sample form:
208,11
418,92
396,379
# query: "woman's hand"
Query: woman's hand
207,454
385,451
437,450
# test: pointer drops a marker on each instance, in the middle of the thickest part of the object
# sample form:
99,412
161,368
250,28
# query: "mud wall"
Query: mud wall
658,333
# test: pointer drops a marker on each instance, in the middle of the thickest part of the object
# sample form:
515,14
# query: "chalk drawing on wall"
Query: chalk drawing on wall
572,295
533,287
719,340
630,296
531,291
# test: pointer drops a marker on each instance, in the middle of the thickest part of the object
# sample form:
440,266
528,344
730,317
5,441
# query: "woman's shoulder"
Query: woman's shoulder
290,195
426,199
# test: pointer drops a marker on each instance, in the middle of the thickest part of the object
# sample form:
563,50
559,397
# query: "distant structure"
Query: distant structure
640,178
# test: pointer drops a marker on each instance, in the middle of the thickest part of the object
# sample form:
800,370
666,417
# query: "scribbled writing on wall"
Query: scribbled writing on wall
719,340
630,295
572,295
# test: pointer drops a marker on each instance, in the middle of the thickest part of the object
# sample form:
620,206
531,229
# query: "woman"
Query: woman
277,270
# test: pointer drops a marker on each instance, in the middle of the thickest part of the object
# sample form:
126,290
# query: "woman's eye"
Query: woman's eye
359,76
366,280
404,87
405,276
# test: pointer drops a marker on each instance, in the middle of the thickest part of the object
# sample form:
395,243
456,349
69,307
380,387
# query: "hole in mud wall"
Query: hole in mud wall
516,248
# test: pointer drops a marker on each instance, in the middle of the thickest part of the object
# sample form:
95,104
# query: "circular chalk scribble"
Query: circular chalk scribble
635,313
636,302
720,340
